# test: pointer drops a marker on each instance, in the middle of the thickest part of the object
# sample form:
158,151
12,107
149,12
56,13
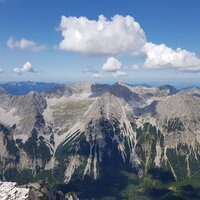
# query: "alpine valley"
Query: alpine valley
101,141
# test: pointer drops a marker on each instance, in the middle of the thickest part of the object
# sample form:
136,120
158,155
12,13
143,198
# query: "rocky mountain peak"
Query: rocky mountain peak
179,105
35,100
122,83
80,88
106,106
172,90
123,91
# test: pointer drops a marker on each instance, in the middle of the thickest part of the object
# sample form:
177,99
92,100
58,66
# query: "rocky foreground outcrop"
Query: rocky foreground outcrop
32,191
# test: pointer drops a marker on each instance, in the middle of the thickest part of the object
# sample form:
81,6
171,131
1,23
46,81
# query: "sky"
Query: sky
136,41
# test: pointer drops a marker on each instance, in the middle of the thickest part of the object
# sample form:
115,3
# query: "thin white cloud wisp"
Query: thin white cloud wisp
24,44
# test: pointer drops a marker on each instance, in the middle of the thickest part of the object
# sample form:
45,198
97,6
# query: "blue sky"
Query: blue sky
42,57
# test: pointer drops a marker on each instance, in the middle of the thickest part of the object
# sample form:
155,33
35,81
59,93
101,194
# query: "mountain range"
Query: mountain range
103,141
24,87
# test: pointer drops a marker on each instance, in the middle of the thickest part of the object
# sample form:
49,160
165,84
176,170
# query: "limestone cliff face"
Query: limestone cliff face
80,130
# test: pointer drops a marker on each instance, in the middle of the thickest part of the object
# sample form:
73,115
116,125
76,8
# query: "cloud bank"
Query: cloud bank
27,67
122,36
24,44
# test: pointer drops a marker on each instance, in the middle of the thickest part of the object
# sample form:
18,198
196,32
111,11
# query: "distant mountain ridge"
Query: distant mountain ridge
22,88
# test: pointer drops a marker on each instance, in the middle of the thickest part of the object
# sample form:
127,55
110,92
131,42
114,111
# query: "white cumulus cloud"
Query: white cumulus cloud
24,44
161,56
27,67
119,35
122,36
111,65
